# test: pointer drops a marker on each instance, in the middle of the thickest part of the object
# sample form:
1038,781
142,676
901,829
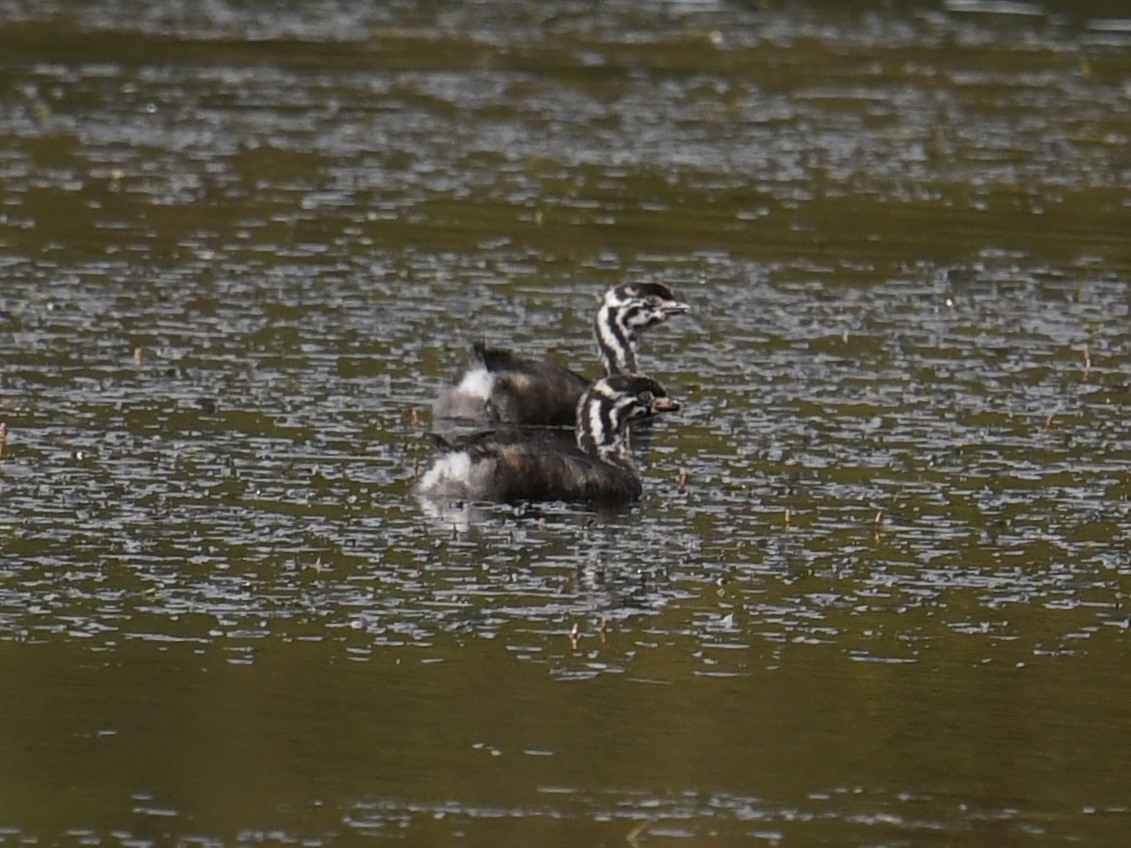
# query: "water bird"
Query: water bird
510,465
500,387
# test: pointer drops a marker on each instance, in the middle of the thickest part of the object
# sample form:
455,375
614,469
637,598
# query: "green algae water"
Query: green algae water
875,592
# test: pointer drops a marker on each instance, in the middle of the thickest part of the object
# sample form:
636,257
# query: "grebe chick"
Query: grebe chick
510,466
499,387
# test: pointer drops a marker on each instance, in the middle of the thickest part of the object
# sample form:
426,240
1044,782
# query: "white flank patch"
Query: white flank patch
450,474
477,383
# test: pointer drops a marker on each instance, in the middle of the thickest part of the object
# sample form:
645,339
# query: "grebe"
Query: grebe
510,466
499,387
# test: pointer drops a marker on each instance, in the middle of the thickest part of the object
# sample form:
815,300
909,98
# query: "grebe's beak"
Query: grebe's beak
665,404
674,307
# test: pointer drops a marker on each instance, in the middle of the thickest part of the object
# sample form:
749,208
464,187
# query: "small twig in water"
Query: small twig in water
3,437
1087,361
1048,421
634,835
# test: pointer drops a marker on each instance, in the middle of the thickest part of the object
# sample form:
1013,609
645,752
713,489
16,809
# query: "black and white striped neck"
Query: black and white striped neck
616,341
625,311
605,410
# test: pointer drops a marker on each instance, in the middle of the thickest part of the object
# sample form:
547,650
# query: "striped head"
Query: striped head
626,311
605,410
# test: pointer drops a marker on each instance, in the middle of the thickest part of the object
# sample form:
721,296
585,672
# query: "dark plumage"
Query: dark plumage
512,467
499,387
523,391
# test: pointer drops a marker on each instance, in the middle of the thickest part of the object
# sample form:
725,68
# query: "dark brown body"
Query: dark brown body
530,391
518,468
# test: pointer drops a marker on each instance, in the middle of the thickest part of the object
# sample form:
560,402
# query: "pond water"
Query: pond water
242,247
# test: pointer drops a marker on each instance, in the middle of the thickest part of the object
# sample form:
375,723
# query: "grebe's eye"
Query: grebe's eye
646,397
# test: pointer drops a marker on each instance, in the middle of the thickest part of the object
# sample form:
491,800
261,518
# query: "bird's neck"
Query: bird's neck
616,343
601,435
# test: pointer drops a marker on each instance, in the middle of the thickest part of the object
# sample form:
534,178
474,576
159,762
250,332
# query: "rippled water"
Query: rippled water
242,246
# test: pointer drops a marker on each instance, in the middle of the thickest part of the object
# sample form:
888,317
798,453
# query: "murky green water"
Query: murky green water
240,244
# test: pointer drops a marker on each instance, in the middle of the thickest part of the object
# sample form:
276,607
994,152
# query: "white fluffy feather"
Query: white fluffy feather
477,383
468,399
450,475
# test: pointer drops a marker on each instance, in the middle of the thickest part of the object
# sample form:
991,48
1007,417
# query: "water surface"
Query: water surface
243,246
